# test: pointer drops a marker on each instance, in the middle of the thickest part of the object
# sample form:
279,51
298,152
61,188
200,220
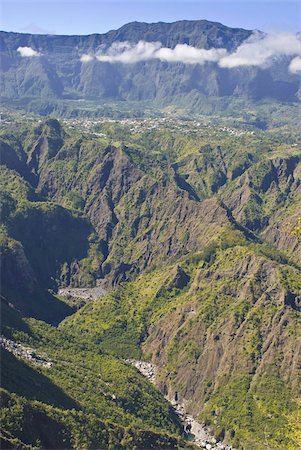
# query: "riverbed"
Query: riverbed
197,432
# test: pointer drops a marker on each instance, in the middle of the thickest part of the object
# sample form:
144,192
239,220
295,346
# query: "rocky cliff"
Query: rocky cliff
57,71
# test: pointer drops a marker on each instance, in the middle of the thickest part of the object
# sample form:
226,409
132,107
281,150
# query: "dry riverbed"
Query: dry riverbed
86,294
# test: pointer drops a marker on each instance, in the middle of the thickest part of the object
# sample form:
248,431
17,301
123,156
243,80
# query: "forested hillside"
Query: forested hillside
194,234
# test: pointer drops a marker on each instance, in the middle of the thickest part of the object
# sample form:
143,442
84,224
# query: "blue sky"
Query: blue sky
99,16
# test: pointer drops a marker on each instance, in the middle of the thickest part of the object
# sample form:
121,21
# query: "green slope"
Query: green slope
196,233
88,398
222,326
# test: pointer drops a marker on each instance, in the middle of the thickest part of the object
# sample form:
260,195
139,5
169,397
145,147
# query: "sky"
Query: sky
100,16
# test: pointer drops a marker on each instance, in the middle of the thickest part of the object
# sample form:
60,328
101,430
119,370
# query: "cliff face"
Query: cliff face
233,347
266,199
58,73
240,317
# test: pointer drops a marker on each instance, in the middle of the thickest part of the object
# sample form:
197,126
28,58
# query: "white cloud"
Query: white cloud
28,52
86,58
261,49
295,65
127,53
189,55
258,50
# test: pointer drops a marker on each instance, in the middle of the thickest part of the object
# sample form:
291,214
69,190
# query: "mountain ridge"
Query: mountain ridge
134,24
186,228
193,234
58,74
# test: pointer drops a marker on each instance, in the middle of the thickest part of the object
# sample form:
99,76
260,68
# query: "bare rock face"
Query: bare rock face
48,144
208,350
166,224
163,221
279,234
111,179
266,198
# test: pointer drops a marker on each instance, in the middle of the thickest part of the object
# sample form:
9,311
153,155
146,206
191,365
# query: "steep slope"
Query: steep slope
267,199
164,219
190,218
81,398
156,195
251,182
224,333
42,245
58,73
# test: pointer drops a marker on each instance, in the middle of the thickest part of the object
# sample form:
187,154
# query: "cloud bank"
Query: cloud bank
190,55
258,50
127,53
28,52
295,65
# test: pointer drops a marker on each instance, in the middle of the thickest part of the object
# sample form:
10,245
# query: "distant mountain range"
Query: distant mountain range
66,67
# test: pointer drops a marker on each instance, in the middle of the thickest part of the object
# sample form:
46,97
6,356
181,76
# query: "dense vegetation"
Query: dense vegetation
197,232
81,398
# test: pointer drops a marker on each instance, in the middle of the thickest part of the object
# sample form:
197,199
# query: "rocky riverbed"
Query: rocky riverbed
199,432
20,351
84,293
147,369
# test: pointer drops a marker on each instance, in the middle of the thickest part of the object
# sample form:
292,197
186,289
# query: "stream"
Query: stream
197,432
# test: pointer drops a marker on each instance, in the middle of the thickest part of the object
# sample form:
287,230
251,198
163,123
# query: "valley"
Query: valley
153,244
150,193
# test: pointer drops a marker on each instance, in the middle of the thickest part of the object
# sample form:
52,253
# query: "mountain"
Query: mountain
58,74
131,205
222,330
193,232
150,266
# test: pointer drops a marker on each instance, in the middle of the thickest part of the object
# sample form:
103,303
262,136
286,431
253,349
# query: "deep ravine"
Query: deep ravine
197,432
